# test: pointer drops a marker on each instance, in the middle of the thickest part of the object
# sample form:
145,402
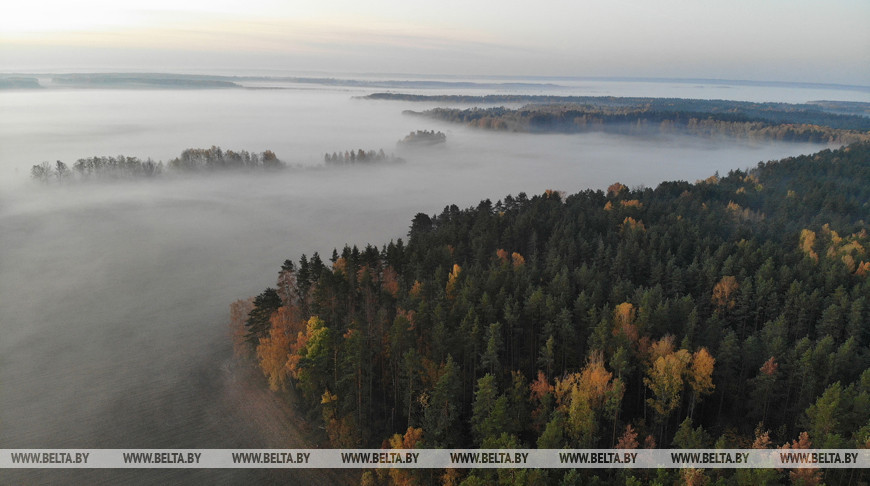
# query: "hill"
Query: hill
730,312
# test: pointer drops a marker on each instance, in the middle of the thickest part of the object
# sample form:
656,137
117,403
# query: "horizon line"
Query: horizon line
324,75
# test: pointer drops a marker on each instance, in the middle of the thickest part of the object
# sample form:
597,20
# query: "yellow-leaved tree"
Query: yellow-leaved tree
700,376
273,352
665,380
412,439
451,281
723,293
670,371
585,396
624,321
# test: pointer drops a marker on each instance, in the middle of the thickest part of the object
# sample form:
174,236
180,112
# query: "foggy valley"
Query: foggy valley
114,296
556,229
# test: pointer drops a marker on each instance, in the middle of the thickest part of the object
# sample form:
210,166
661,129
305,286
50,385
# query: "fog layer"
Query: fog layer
114,297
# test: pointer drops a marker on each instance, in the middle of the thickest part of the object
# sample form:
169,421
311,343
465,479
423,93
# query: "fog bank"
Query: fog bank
114,297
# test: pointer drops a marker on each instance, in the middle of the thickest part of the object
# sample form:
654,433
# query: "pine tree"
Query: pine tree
258,322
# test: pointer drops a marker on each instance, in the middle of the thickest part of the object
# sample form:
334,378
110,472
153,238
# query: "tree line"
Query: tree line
360,156
731,312
834,114
123,167
572,118
192,160
422,138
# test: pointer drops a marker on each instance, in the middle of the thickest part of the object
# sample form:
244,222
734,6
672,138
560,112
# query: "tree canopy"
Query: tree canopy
676,316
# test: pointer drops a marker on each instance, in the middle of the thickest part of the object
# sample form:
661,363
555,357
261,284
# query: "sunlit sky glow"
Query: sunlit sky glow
786,40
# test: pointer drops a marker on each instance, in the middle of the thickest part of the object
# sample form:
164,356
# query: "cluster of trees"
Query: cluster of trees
843,107
575,118
216,159
360,156
119,167
423,137
194,160
732,312
122,167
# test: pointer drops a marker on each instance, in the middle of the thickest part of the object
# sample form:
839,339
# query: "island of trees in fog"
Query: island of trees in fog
728,313
574,114
192,160
422,138
814,112
123,167
359,157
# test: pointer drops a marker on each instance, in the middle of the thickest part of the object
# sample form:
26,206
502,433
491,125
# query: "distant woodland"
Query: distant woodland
194,161
421,138
121,167
578,119
144,80
730,312
351,157
814,112
200,81
576,114
18,82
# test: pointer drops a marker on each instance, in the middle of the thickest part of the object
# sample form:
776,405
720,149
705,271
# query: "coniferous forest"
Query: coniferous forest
729,312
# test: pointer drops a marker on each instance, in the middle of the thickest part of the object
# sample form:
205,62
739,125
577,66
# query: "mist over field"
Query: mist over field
114,296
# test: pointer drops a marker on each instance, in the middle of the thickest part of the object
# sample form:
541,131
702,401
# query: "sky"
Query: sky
825,41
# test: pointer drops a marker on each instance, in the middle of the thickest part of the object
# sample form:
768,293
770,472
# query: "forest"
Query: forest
730,312
641,121
835,114
817,122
